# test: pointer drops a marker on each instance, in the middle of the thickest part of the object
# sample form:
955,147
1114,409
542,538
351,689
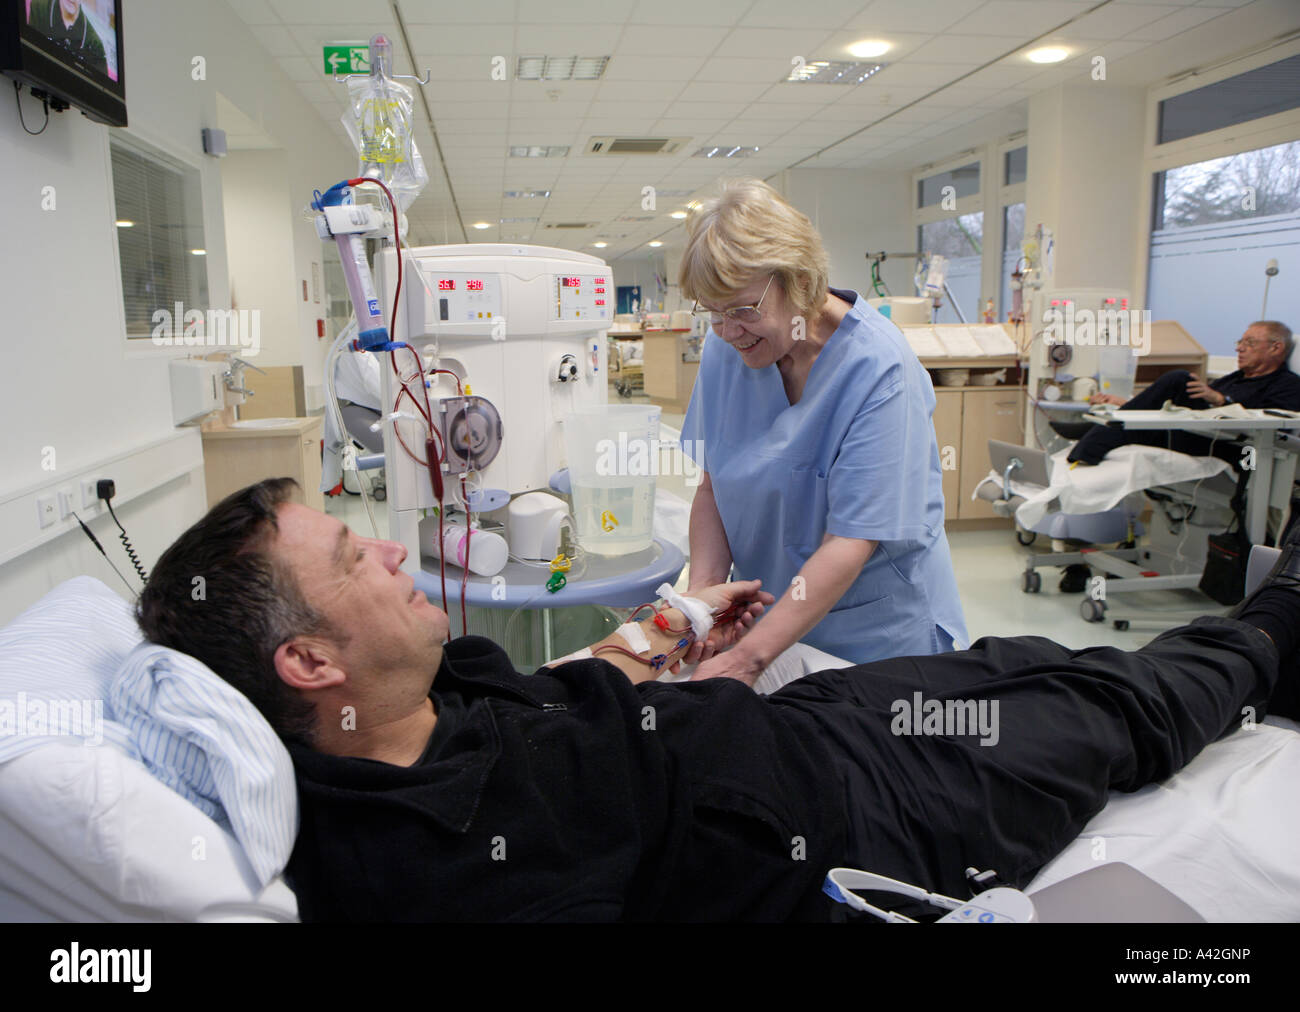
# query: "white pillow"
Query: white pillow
83,825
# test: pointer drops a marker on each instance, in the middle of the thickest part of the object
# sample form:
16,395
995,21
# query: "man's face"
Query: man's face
1255,351
383,626
767,339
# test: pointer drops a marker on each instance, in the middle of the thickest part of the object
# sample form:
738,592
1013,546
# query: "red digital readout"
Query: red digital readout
599,281
446,285
570,282
600,291
600,302
473,286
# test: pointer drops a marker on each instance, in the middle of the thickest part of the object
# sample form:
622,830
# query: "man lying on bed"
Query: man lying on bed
437,783
1262,380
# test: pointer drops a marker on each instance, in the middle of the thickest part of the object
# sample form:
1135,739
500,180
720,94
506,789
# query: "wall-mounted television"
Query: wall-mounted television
69,51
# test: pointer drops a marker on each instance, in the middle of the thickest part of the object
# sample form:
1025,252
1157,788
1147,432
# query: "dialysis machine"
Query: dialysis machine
511,338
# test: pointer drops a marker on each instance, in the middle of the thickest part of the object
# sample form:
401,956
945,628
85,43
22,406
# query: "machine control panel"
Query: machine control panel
459,297
584,297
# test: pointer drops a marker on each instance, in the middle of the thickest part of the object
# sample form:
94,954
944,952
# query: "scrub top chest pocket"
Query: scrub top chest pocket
804,509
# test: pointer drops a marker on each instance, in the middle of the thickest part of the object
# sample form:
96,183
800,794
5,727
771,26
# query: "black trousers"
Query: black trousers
1071,726
1172,386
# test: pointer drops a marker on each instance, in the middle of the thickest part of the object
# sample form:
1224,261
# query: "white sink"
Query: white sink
264,423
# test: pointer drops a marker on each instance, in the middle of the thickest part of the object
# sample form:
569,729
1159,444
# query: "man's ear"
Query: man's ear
308,664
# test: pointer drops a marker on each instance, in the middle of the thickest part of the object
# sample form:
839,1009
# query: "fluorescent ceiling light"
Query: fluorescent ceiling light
600,245
560,68
482,224
725,151
833,72
539,150
1048,54
678,214
868,48
527,193
654,242
123,223
518,221
199,252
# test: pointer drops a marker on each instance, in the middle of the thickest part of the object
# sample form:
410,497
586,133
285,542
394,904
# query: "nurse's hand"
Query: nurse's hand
733,664
720,597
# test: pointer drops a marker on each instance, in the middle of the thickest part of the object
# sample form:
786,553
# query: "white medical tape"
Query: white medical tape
577,655
696,611
634,636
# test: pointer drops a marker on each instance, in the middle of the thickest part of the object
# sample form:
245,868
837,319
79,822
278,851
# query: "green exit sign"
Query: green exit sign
347,58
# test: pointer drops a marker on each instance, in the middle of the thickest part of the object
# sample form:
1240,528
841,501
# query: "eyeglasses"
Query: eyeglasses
737,314
1252,343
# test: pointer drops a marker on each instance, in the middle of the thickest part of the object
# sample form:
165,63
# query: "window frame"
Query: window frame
1267,131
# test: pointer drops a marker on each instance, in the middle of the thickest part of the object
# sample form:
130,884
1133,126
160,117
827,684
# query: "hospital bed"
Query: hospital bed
106,833
1191,498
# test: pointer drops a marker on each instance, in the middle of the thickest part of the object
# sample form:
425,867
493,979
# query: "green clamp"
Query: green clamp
556,581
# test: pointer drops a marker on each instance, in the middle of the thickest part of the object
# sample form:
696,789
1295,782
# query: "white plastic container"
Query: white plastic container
613,456
487,550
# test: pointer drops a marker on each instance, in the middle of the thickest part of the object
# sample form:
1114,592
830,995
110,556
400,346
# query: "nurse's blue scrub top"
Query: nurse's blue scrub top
856,457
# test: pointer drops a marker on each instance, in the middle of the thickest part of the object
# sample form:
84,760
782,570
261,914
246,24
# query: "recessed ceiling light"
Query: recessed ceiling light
1048,54
678,214
199,252
539,150
527,193
560,68
600,245
123,223
518,221
725,151
833,72
654,242
868,48
482,224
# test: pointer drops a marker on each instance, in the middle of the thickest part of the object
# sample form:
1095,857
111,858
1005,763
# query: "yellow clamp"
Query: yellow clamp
608,521
561,563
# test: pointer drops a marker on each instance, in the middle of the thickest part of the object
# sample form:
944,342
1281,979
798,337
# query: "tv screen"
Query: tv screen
71,50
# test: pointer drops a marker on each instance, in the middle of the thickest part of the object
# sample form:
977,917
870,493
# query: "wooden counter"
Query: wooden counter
237,457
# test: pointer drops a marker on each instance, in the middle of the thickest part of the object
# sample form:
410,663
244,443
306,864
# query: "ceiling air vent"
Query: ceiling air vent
635,145
571,224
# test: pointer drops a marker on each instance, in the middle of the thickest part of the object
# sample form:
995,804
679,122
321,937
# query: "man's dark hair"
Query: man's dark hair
218,595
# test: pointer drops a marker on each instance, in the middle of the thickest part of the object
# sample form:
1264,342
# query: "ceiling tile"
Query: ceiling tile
1015,18
884,16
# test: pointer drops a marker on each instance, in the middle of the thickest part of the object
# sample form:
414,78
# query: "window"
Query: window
961,240
964,182
1015,165
1215,226
159,208
1261,92
1013,233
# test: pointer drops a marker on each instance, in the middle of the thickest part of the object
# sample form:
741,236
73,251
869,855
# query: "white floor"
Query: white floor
988,566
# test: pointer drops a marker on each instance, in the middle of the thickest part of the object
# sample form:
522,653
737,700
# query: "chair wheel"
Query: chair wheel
1121,624
1031,582
380,493
1026,537
1092,611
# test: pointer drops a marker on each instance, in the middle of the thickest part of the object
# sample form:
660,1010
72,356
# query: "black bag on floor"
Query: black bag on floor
1228,554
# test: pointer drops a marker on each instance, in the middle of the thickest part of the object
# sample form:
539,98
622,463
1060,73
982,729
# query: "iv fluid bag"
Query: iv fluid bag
379,119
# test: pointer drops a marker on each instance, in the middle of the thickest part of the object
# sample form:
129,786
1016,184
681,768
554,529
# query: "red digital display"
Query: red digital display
446,285
600,302
473,286
600,291
570,282
599,281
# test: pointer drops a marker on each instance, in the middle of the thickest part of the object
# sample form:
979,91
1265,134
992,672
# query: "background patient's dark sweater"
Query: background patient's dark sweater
571,794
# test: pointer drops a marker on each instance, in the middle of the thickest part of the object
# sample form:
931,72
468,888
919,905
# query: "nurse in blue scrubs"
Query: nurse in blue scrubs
811,422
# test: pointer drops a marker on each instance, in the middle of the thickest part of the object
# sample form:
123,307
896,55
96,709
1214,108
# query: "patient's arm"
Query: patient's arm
744,593
827,574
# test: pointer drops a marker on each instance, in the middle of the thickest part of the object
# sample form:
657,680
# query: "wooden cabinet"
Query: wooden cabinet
668,378
236,457
965,419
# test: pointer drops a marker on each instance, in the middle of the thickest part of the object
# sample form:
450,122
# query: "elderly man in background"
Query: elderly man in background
1261,381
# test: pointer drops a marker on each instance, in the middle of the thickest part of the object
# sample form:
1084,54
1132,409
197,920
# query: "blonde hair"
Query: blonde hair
748,231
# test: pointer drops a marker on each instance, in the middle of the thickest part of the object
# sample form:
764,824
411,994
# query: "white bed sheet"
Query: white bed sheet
1084,489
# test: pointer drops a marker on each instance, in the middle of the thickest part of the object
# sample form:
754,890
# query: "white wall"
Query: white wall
857,212
70,384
